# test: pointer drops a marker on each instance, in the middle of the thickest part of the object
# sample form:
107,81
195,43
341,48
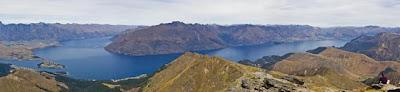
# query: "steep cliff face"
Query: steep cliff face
200,73
383,46
46,31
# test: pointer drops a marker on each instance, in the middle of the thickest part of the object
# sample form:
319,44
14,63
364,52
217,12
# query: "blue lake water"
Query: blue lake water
258,51
87,59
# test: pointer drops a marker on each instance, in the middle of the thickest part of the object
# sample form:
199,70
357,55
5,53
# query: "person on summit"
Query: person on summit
383,79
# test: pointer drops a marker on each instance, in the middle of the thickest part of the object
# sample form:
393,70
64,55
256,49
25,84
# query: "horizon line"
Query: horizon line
232,24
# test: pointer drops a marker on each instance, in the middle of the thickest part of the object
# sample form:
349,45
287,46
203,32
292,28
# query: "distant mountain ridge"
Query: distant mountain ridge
57,31
350,32
383,46
178,37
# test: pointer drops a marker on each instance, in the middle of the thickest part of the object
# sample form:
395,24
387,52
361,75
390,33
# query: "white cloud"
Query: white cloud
150,12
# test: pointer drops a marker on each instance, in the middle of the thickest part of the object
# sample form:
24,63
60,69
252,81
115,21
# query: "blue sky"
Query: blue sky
151,12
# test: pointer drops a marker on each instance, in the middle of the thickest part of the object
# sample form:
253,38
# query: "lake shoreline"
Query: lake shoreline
87,60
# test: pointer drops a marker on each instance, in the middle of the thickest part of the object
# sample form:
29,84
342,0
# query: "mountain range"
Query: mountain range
57,31
383,46
178,37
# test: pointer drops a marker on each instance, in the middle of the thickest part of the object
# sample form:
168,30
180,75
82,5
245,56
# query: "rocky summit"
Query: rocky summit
383,46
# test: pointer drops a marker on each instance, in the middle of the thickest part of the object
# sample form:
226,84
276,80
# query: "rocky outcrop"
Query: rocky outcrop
383,46
263,82
200,73
178,37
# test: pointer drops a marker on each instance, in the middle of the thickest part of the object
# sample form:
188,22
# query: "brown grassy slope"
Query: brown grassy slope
358,64
332,58
318,72
337,68
15,52
331,67
364,66
328,79
197,73
28,81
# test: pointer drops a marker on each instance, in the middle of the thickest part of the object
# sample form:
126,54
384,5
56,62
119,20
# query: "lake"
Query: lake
87,59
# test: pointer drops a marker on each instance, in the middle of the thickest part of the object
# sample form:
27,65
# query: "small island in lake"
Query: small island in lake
45,63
